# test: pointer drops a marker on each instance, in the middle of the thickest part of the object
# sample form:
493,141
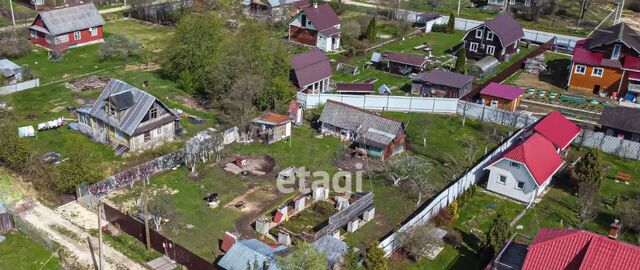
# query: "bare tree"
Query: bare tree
239,107
630,215
588,202
420,187
351,29
162,208
419,241
405,167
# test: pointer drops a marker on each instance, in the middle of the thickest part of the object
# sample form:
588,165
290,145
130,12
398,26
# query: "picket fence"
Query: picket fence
26,85
431,208
609,144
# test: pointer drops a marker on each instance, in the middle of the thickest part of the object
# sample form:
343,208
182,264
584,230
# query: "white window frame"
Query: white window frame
33,33
494,103
580,67
518,183
479,33
616,52
527,3
489,35
512,2
491,49
473,47
595,74
77,35
500,177
93,31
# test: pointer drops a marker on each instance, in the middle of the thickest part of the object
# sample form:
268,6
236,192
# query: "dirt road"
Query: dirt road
77,241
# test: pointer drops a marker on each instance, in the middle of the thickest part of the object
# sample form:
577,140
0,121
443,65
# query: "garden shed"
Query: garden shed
484,67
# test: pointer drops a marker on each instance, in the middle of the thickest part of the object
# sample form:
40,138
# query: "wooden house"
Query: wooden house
316,25
404,64
128,119
497,37
608,62
621,122
271,128
501,96
373,135
441,83
65,28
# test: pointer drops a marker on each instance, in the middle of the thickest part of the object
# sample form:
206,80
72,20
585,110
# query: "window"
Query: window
491,49
77,35
473,47
478,33
527,3
489,35
159,131
33,33
512,2
616,51
597,72
502,179
94,31
120,135
303,20
581,69
153,113
515,164
147,136
520,185
494,103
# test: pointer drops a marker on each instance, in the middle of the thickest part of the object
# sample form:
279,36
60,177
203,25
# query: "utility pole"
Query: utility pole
13,17
99,237
459,8
146,210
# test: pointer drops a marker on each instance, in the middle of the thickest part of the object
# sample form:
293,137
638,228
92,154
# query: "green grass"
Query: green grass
559,206
9,192
309,218
131,247
19,252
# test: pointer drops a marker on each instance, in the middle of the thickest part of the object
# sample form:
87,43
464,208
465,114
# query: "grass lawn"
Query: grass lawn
440,42
559,206
19,252
309,218
477,215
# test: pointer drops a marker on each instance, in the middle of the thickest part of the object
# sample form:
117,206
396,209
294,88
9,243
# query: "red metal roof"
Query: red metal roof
584,56
539,155
634,75
228,241
557,129
310,67
565,249
274,118
321,16
631,62
507,28
502,91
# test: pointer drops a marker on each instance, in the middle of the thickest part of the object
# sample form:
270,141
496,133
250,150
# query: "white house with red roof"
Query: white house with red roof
525,170
316,25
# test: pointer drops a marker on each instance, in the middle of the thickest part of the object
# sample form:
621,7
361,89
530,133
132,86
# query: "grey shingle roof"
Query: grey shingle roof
132,117
335,248
443,77
71,19
374,130
622,118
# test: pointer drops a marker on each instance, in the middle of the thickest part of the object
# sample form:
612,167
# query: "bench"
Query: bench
623,177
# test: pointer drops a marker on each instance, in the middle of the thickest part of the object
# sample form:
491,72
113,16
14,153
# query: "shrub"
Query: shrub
27,72
634,6
118,47
453,238
56,56
443,218
337,7
13,45
440,28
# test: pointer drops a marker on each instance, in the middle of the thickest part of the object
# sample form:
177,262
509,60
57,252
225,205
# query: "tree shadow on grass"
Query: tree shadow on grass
557,72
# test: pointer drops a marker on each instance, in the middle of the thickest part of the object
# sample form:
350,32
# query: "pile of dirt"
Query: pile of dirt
88,83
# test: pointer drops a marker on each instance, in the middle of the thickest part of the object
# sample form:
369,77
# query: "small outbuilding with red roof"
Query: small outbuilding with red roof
271,127
501,96
525,169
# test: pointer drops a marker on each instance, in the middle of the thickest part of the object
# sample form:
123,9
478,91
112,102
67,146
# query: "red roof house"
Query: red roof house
557,129
311,71
65,28
525,169
501,96
316,25
565,249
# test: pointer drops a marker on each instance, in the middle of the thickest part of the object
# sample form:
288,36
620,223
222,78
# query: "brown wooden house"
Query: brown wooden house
441,83
501,96
498,37
404,64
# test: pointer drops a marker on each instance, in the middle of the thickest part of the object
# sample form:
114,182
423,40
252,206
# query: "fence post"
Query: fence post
387,102
364,102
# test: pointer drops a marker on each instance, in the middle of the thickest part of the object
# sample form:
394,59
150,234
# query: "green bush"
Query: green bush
118,47
440,28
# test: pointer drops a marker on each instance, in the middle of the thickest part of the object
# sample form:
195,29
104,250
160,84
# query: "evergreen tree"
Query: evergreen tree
371,30
451,24
589,168
351,260
375,259
304,257
498,233
461,62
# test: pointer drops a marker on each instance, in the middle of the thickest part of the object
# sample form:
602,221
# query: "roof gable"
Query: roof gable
557,129
133,114
538,155
70,19
321,16
620,32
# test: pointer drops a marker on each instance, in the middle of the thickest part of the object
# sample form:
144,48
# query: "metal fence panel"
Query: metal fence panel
609,144
10,89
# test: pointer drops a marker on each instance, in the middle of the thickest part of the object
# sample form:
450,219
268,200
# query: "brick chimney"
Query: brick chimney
614,229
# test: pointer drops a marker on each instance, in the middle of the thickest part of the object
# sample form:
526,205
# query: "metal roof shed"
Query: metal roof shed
484,67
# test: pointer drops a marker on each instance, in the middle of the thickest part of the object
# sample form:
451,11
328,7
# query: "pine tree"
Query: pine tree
375,259
451,24
461,62
351,260
589,168
498,233
371,30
